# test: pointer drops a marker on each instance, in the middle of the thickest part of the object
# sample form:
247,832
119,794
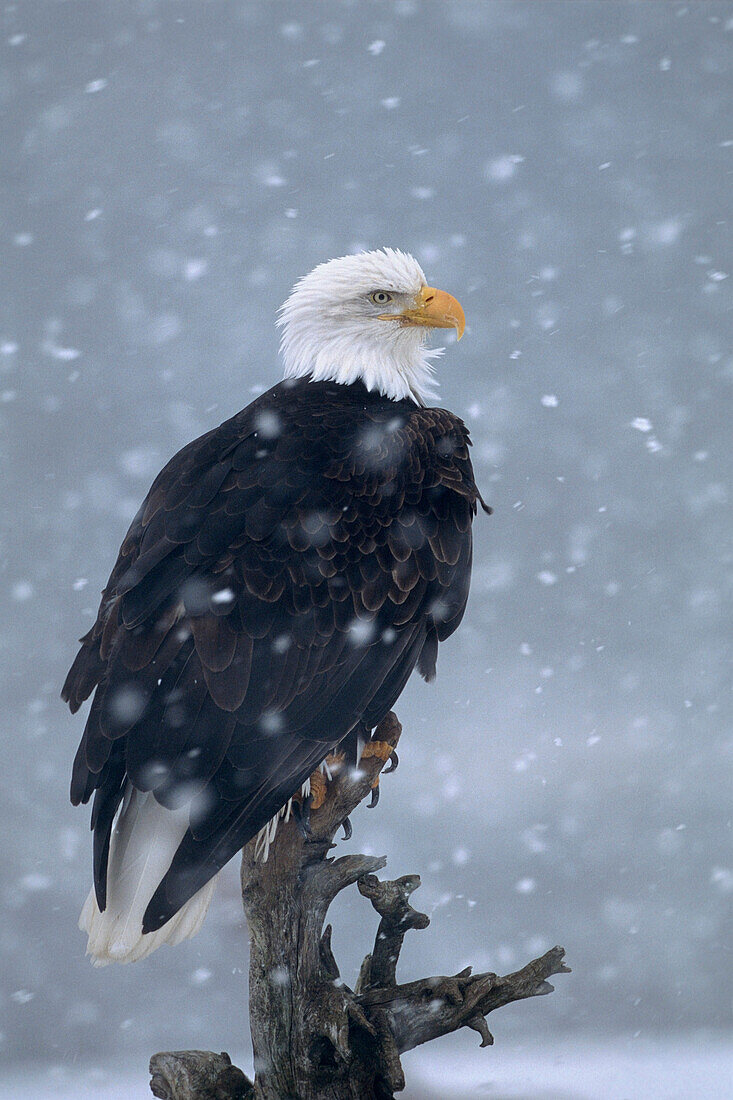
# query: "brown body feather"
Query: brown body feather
283,577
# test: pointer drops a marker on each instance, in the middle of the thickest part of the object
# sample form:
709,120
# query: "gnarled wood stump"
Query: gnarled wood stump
314,1038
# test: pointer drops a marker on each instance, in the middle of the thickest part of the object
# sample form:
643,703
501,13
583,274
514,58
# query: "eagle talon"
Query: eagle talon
375,798
346,825
302,817
392,764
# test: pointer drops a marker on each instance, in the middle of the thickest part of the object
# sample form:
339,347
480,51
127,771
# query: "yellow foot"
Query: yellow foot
319,781
318,789
381,749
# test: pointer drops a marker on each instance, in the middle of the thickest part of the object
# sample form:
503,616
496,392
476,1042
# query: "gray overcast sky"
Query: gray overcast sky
562,168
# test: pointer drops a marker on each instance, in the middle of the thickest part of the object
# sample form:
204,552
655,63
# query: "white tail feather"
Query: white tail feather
144,840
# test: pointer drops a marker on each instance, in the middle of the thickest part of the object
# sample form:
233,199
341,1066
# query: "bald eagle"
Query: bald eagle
283,577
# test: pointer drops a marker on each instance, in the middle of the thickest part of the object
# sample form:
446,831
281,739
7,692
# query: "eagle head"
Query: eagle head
366,318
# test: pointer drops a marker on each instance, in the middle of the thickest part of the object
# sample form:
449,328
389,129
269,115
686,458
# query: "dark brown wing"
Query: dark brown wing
284,576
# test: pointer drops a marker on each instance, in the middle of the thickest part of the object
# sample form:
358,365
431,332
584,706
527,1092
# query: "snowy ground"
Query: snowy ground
642,1069
576,1070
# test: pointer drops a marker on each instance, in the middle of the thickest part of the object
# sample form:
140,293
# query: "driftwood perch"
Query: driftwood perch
313,1037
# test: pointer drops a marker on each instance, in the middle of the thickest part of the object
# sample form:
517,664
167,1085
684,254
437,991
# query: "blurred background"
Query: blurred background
563,168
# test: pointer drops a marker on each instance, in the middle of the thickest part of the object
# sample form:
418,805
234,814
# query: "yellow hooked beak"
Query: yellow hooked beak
434,309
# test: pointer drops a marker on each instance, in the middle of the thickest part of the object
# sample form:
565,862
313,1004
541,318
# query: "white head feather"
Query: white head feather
332,329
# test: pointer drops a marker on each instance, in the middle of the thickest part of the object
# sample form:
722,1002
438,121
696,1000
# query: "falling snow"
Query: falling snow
563,170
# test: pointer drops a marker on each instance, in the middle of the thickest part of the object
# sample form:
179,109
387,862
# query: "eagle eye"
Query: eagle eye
380,297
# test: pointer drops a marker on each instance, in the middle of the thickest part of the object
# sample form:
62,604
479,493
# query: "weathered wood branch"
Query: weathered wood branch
398,916
420,1011
313,1037
198,1075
